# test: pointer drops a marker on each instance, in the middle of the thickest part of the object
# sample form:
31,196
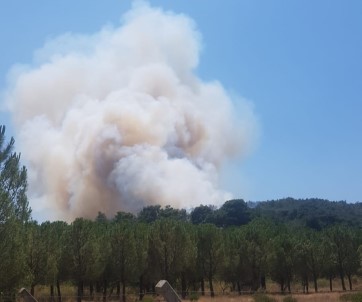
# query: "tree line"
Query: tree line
106,255
236,246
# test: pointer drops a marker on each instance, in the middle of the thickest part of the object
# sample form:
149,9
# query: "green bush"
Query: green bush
263,298
147,299
194,296
289,299
353,297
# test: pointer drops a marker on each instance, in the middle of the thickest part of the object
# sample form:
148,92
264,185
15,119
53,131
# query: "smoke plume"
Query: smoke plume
118,120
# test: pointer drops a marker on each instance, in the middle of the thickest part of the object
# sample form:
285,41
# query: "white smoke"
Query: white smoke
118,120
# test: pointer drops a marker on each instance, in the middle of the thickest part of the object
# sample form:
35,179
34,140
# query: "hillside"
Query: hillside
313,213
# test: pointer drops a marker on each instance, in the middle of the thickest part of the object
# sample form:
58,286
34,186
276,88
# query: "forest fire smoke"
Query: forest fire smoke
118,120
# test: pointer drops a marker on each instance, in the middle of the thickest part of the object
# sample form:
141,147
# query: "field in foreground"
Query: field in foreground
70,294
298,297
315,297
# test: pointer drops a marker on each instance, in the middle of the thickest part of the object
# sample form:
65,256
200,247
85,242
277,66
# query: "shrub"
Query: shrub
353,297
194,296
147,299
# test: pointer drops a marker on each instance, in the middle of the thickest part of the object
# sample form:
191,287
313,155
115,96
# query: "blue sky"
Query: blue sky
299,62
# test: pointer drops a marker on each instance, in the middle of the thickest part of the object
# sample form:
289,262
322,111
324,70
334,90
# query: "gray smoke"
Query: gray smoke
118,120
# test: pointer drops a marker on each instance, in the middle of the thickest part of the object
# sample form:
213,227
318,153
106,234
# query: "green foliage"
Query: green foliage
148,299
202,214
13,260
152,213
313,213
13,183
353,297
281,258
232,213
14,213
342,245
83,252
263,298
172,247
194,296
124,216
210,251
123,253
281,242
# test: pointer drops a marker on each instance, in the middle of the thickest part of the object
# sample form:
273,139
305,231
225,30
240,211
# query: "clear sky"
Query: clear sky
299,62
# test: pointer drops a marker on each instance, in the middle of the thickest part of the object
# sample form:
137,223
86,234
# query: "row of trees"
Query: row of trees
115,255
235,246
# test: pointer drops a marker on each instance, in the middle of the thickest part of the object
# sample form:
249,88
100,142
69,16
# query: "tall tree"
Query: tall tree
141,242
281,258
343,246
233,212
123,254
309,257
202,214
13,182
14,212
35,254
256,236
210,252
54,242
13,268
84,253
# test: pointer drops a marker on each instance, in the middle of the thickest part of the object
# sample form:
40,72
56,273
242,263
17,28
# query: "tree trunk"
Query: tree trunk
124,291
239,287
183,286
118,290
262,282
330,284
166,263
32,289
80,291
349,281
202,287
341,275
98,287
211,286
52,293
105,284
91,290
255,281
58,291
315,282
153,287
141,293
288,284
305,284
281,285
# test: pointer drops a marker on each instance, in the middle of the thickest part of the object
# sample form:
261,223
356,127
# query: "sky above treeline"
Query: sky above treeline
296,64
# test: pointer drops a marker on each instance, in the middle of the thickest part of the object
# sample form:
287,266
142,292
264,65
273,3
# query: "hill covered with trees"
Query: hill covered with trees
314,213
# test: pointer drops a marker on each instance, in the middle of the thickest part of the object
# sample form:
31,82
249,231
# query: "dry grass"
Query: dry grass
315,297
69,293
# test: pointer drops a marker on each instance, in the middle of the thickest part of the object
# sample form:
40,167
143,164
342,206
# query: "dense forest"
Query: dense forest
239,246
